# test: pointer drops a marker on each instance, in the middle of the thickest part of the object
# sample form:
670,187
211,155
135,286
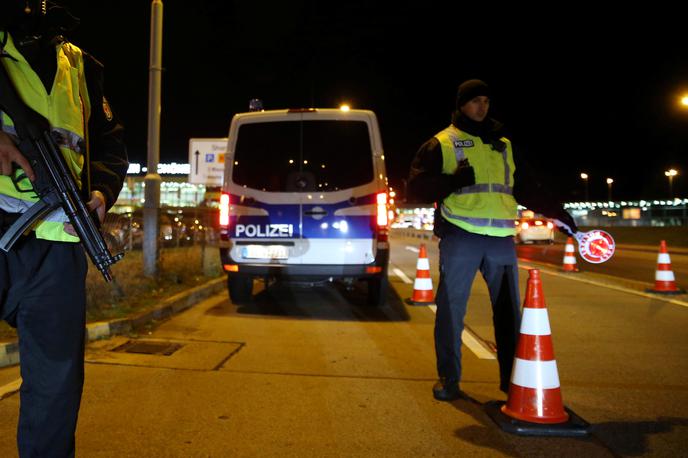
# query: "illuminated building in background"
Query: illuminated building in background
175,190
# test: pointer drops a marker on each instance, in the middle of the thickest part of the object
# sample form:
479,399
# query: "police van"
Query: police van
304,199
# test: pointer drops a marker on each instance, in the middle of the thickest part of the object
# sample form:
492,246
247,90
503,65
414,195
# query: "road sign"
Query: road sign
207,160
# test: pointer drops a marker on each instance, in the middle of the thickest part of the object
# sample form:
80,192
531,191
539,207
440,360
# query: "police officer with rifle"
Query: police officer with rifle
63,162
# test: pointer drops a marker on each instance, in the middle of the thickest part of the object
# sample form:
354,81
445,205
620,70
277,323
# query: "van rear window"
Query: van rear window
303,156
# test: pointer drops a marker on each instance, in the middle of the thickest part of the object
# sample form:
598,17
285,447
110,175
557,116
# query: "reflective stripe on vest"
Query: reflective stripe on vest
482,222
492,187
487,207
67,108
63,138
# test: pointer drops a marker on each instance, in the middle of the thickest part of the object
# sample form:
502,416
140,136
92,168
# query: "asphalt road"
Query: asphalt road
312,371
628,262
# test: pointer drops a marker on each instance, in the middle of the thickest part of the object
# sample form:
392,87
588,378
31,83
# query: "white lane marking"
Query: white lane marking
475,346
402,275
412,248
471,341
10,388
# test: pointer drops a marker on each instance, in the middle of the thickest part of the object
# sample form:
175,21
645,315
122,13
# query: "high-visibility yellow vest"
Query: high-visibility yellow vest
67,109
488,207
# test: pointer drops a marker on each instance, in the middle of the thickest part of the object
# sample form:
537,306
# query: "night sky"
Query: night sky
579,88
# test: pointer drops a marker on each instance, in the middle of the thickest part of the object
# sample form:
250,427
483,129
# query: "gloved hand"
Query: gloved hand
565,223
464,174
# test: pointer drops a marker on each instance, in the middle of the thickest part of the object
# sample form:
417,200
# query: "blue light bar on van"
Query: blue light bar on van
301,110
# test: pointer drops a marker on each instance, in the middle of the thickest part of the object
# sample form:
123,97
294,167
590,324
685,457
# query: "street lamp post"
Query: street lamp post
609,189
671,173
151,208
584,176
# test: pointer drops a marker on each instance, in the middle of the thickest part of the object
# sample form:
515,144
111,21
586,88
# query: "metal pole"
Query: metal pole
671,186
151,209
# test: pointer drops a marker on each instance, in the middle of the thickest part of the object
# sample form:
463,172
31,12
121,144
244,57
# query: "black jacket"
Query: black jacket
427,183
108,163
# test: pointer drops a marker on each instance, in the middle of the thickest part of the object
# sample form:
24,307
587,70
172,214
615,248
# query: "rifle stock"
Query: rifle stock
54,184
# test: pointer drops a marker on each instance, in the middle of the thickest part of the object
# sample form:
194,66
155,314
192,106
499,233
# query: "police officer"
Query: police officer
42,279
469,169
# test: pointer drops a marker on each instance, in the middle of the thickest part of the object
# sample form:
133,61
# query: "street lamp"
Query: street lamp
671,173
609,189
584,176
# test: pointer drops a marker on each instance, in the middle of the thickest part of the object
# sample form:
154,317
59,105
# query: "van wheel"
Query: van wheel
240,288
377,290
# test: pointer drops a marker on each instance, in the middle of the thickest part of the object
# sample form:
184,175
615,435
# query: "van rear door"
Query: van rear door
337,219
267,225
310,179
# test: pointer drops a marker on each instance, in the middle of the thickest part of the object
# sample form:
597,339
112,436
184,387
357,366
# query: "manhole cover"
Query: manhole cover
148,347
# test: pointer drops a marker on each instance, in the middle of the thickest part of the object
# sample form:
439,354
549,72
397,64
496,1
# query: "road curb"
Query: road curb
9,351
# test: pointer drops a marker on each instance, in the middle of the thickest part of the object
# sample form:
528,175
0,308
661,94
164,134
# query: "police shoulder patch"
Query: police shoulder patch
106,109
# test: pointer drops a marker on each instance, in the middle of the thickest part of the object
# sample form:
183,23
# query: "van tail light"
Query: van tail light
382,209
382,218
224,210
550,225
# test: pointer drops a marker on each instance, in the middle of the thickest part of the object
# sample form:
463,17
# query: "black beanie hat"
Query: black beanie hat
470,89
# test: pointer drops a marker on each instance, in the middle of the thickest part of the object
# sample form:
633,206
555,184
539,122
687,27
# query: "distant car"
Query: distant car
403,222
533,230
130,234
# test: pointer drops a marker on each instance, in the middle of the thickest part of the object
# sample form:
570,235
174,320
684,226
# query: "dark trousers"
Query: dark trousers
42,287
462,254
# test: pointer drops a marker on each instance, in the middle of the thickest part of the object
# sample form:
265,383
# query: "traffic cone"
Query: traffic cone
665,282
422,286
569,264
534,393
534,405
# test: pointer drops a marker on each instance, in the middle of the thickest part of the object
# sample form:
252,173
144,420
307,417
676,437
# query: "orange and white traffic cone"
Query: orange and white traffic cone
665,282
569,264
534,405
534,393
422,286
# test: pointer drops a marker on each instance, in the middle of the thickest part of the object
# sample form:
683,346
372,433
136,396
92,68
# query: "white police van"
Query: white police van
304,199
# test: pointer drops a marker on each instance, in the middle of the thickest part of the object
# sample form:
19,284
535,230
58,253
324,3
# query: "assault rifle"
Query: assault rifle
54,183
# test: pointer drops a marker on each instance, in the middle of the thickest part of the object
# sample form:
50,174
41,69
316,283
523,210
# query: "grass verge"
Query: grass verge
131,292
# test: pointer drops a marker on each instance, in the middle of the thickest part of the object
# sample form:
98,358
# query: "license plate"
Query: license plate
265,252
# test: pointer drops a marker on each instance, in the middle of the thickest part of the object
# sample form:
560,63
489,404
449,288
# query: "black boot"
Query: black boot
447,390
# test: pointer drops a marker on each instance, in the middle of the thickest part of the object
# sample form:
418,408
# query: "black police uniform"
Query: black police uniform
42,283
